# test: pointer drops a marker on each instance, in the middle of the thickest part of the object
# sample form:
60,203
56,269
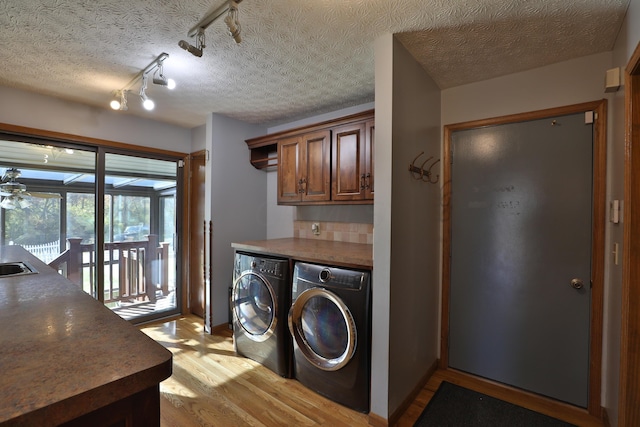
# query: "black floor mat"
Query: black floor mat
455,406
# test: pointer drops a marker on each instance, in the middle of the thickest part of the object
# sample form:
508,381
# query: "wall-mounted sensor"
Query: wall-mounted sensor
315,228
612,80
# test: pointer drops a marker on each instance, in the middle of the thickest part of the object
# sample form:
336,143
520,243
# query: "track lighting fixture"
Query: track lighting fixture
233,24
119,102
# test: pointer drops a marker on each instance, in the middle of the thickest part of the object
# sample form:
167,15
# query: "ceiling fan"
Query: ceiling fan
14,194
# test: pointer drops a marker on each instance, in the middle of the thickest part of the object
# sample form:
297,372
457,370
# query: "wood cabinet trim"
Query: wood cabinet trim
273,138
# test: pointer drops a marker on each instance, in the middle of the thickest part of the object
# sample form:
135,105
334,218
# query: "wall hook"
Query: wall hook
421,172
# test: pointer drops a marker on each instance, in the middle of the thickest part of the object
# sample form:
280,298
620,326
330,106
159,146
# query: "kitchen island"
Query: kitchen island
66,359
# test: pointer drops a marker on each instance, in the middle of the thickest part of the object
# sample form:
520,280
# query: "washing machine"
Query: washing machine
330,322
260,299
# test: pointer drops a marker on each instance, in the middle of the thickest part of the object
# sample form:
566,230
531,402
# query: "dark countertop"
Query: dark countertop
328,252
62,353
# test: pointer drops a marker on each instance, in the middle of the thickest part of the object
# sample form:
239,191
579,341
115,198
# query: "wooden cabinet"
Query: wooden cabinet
352,163
323,163
304,168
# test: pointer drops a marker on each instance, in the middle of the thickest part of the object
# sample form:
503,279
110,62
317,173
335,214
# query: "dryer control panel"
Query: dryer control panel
330,276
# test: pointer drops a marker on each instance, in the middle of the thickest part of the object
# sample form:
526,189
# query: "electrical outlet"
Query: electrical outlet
315,228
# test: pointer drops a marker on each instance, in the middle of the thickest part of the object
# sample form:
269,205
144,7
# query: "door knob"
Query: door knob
577,284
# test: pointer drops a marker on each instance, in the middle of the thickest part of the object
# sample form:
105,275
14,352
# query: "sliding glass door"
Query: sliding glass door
140,229
63,201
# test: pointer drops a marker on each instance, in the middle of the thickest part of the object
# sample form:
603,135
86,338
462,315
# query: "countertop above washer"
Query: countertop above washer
358,255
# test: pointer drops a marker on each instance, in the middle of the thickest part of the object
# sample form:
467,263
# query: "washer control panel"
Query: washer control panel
268,266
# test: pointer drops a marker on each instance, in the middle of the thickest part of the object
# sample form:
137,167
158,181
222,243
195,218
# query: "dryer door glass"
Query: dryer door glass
254,306
323,329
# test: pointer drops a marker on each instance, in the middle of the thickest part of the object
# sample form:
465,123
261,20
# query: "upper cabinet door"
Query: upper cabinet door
351,163
316,164
304,173
289,185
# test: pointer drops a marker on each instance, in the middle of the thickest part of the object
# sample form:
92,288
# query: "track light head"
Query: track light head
147,103
163,81
191,49
160,79
233,24
119,102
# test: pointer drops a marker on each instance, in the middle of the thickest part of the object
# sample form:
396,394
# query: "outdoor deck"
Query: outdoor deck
137,274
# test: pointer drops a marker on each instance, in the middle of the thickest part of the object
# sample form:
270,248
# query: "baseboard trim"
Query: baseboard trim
393,419
223,327
376,420
605,418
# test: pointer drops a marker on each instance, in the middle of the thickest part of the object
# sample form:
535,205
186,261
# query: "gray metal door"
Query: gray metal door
521,231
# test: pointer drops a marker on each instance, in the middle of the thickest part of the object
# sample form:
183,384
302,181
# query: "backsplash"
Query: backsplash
336,231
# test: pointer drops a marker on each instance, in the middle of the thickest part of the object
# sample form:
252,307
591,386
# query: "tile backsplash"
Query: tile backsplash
336,231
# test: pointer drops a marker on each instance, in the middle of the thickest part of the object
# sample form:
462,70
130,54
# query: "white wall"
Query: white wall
198,139
381,278
564,83
29,109
415,229
236,201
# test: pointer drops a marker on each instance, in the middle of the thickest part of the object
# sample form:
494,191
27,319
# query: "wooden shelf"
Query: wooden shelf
264,157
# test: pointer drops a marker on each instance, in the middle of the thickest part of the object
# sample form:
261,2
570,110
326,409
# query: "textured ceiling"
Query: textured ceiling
297,57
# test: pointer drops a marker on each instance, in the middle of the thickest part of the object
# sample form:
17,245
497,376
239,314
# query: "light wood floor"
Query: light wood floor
212,386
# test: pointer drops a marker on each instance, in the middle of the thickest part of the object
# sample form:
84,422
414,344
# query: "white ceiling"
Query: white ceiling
297,58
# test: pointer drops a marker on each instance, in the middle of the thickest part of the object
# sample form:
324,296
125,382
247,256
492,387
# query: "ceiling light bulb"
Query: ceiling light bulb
171,84
147,103
119,102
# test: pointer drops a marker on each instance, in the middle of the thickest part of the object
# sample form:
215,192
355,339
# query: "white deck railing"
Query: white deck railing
46,252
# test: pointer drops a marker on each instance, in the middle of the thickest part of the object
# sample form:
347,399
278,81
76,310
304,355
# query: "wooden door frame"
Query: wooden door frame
597,261
195,267
629,391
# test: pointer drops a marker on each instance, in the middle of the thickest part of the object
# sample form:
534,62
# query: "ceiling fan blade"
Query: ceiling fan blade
44,195
5,194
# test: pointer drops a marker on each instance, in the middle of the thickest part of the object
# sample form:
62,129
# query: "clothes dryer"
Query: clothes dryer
330,322
260,298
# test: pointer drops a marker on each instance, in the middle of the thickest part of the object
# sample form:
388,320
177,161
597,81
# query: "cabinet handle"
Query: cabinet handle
300,183
364,181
